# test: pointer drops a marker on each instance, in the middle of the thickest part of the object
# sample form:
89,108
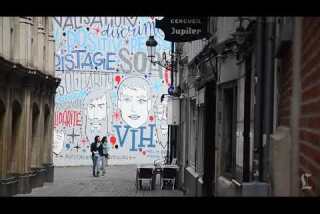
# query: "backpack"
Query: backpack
105,148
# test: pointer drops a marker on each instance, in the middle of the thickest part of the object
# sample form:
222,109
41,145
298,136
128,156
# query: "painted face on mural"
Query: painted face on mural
58,140
97,108
134,101
97,114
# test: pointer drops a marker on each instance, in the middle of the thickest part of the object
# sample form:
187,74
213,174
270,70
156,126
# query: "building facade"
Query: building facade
28,85
248,108
196,77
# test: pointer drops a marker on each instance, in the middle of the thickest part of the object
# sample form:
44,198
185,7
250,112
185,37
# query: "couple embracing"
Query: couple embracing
100,155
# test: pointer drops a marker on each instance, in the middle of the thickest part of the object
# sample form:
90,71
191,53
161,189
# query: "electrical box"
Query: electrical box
173,110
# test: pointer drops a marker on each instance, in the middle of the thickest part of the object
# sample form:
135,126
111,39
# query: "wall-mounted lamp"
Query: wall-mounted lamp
164,62
241,33
242,38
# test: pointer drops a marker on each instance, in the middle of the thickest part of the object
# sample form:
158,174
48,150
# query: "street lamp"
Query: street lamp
241,34
151,47
164,62
243,39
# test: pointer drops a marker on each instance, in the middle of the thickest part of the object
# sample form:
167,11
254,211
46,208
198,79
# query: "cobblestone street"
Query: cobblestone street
78,181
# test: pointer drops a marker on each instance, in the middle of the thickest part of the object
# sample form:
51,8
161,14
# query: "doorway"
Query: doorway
35,135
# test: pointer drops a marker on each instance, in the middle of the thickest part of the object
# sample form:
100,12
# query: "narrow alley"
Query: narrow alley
215,106
119,181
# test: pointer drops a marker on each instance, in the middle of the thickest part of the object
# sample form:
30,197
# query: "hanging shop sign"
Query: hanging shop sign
181,29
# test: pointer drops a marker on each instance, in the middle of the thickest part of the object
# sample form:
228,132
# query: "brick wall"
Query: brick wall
309,130
309,147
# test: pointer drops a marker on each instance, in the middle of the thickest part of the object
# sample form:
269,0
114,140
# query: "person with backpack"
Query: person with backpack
105,154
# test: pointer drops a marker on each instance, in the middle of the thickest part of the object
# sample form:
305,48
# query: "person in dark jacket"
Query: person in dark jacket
96,151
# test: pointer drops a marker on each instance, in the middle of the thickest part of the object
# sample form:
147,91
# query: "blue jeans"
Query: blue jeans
96,165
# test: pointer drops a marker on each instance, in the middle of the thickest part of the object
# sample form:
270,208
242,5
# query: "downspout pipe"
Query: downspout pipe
170,136
258,144
247,121
268,92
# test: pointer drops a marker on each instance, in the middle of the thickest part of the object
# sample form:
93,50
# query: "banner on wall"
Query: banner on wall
109,88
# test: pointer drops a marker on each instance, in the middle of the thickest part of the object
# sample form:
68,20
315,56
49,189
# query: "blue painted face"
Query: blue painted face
134,106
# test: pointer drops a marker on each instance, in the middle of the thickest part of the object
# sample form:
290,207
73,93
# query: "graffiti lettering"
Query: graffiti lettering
98,61
79,22
124,56
78,81
83,60
150,139
68,118
122,137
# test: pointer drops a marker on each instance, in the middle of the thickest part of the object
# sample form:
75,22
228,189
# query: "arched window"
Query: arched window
46,133
15,133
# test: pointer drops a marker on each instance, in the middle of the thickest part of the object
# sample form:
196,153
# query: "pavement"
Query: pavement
119,181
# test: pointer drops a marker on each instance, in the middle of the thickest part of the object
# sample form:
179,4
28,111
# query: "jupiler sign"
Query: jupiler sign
182,29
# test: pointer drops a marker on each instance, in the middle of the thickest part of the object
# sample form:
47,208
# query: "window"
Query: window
200,141
213,25
229,109
192,133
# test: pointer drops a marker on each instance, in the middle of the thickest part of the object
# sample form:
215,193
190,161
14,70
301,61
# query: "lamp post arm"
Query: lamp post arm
158,63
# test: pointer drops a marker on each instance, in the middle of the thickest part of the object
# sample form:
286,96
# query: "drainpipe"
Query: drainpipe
247,112
170,128
268,97
258,146
172,61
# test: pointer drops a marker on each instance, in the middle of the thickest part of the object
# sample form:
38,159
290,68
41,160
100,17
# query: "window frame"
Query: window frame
229,86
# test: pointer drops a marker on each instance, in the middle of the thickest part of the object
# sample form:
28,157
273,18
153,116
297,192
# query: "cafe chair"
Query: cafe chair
168,175
144,174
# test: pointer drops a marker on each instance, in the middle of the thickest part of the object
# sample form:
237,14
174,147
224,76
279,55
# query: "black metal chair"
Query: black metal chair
168,175
144,174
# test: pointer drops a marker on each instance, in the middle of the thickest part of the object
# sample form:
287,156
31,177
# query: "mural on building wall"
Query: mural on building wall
109,88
